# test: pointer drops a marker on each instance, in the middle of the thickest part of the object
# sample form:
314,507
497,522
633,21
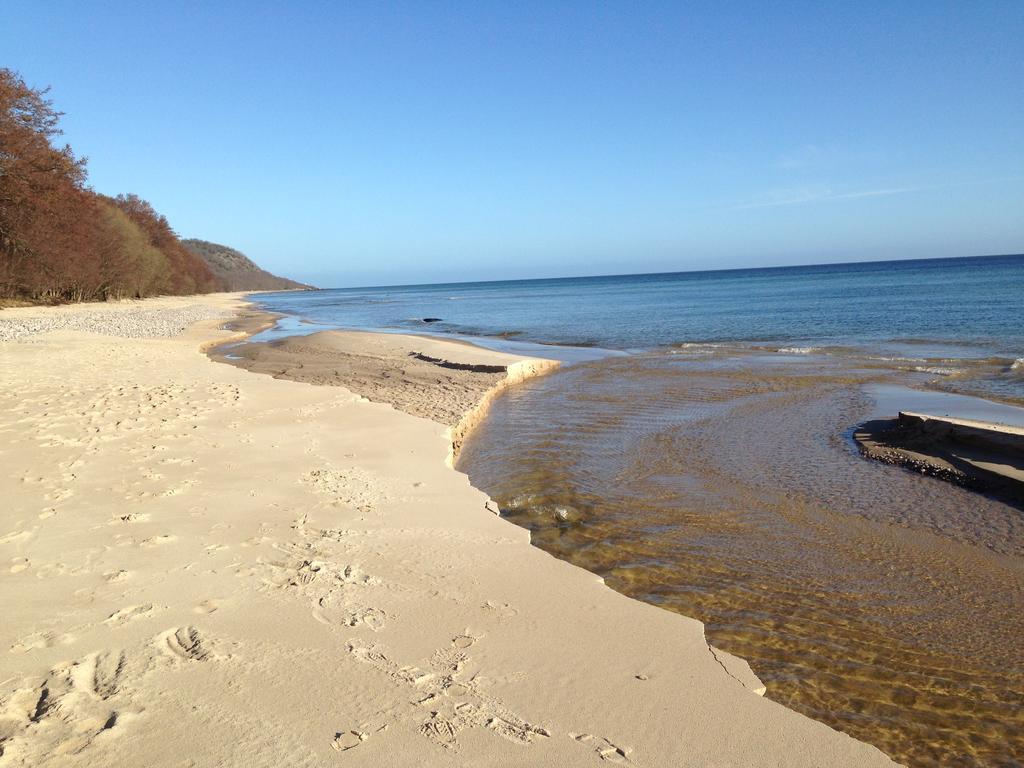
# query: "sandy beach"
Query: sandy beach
204,565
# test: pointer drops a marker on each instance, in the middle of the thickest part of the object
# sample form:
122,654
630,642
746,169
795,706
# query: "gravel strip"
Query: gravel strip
132,323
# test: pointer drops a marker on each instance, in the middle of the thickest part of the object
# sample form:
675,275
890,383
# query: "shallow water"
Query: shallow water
725,487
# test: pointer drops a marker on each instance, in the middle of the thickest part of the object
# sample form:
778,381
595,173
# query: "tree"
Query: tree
40,189
60,241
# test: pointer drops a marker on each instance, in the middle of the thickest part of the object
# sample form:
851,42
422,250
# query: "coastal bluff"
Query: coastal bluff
236,271
202,564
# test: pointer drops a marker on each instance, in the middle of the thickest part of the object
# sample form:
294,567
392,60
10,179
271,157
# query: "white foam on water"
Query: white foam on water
799,350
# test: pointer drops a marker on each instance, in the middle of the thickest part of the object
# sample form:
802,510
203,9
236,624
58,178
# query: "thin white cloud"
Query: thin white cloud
821,193
879,192
814,195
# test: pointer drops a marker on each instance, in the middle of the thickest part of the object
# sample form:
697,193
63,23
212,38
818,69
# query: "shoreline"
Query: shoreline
880,439
478,414
302,566
450,382
514,374
513,369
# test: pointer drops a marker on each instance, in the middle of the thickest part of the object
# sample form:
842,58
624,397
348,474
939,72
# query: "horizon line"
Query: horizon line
675,272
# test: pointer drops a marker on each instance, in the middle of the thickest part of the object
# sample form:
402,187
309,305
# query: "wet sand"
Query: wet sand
205,565
385,368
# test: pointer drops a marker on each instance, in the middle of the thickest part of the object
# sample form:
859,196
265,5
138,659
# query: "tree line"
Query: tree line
61,241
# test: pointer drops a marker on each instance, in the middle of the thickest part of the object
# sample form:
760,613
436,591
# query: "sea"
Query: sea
695,450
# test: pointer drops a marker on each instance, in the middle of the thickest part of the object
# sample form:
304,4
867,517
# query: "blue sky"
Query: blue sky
373,143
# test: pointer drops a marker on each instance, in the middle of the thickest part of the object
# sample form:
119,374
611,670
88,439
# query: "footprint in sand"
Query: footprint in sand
131,517
38,640
348,740
14,536
70,706
374,618
19,564
337,534
605,749
156,541
90,699
504,611
176,490
351,487
184,644
59,495
207,606
465,640
448,699
129,613
49,570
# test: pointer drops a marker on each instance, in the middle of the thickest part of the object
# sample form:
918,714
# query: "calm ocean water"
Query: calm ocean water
894,304
695,452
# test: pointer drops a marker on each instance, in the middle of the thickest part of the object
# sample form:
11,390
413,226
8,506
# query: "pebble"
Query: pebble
131,323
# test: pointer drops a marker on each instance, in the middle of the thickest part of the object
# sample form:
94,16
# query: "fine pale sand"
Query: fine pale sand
200,565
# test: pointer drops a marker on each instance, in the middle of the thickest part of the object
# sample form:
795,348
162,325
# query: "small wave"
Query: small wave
798,350
938,371
695,348
1018,364
897,359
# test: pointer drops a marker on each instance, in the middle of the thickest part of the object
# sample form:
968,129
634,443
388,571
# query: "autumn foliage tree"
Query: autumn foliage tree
60,241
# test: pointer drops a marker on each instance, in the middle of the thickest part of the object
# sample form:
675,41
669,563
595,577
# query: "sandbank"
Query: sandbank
981,455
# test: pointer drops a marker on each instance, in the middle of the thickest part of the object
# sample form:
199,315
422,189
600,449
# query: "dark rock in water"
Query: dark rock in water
431,319
537,515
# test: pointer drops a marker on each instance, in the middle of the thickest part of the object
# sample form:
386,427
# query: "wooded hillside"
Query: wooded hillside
61,241
236,270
